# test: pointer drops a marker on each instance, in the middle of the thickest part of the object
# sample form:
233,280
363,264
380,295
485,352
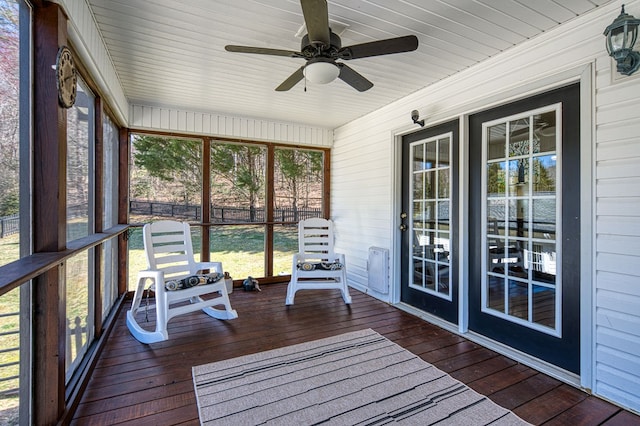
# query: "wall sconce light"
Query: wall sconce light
621,37
414,116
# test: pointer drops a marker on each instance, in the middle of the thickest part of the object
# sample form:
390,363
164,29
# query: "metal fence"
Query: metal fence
9,225
11,348
219,214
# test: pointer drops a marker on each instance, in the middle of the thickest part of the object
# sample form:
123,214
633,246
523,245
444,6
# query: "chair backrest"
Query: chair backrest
315,238
168,248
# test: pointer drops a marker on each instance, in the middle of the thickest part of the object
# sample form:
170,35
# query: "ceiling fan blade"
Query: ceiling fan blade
263,51
380,47
353,78
291,81
316,18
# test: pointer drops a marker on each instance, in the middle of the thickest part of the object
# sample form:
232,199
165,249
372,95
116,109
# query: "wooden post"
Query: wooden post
268,202
49,215
205,249
98,215
326,187
123,207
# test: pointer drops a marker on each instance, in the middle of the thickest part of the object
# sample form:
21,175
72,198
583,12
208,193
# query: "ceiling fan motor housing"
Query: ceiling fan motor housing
310,50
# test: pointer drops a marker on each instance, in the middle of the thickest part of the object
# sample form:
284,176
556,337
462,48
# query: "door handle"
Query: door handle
403,227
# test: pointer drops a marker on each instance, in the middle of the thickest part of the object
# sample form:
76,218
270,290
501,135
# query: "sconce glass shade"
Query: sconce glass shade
321,71
621,37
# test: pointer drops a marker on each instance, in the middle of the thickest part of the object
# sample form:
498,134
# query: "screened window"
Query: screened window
109,258
80,154
243,206
14,197
79,270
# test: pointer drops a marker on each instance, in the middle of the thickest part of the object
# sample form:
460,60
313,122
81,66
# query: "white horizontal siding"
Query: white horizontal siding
617,301
364,190
87,42
144,117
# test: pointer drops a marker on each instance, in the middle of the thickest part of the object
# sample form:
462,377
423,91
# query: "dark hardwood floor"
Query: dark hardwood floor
152,385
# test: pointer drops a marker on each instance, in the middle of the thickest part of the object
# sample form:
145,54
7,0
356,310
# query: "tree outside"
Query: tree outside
9,205
166,174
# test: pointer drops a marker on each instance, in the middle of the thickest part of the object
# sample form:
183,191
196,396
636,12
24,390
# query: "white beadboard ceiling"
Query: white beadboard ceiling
171,53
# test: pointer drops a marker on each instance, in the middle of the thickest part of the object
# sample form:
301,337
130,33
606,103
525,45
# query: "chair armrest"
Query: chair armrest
155,275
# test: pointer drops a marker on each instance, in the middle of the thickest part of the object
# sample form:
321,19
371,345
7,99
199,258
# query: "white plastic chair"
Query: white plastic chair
169,252
316,265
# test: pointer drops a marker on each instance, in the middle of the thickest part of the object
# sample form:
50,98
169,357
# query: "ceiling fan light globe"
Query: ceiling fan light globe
321,72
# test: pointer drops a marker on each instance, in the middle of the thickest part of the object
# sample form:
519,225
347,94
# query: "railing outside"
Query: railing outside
220,214
9,225
9,356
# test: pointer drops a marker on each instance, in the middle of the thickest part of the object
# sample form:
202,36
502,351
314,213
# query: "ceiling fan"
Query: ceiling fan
321,47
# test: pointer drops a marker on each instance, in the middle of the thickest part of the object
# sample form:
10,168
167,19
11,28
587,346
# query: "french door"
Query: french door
429,227
524,225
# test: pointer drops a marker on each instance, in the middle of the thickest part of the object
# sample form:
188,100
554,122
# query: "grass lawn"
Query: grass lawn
9,322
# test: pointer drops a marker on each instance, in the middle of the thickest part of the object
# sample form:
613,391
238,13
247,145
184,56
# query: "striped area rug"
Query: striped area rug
358,378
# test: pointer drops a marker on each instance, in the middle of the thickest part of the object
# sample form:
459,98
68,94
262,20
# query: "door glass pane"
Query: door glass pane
443,216
543,306
543,262
519,177
515,258
521,222
495,220
519,217
431,189
495,293
497,256
519,137
496,138
430,185
443,183
518,299
544,175
430,158
418,186
418,158
544,218
544,132
418,211
496,179
443,152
